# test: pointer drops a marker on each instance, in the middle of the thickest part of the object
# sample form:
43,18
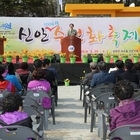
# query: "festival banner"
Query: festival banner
98,35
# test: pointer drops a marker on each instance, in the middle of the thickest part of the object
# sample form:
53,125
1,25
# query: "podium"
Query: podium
2,45
71,44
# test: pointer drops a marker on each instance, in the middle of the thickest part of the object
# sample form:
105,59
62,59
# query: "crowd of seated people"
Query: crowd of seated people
122,71
42,78
11,79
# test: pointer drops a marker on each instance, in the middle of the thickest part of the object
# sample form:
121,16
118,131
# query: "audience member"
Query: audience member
51,68
88,77
120,68
12,113
128,111
38,82
23,71
137,68
45,66
10,76
128,60
38,64
129,74
5,84
103,76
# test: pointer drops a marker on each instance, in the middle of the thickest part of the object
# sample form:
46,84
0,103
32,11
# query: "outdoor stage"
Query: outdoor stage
71,71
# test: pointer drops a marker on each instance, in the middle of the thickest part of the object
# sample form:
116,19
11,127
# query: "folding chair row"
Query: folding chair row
98,90
36,100
102,104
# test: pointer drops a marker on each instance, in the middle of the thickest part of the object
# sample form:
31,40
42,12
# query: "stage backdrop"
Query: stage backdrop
118,35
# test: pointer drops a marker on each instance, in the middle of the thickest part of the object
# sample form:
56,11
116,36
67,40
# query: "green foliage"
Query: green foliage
27,8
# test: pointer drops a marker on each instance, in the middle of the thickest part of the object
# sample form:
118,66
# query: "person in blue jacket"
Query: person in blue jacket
10,76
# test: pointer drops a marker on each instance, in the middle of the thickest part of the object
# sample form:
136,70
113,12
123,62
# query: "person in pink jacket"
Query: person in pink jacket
38,82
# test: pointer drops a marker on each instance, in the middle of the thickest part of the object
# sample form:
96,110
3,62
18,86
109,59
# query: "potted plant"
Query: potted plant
62,57
9,56
67,82
107,57
94,57
25,55
72,58
85,58
49,55
115,57
124,57
135,58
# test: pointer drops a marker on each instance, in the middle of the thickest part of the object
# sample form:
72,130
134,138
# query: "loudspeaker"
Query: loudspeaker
17,59
57,58
89,58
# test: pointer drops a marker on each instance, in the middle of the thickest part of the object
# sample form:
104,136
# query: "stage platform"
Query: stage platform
67,70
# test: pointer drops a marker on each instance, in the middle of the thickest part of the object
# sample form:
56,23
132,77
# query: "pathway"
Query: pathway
70,118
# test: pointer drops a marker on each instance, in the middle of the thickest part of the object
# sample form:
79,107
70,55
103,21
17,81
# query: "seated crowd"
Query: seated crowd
43,78
14,80
99,73
123,76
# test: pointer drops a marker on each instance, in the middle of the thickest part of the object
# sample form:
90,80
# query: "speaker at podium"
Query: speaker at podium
71,44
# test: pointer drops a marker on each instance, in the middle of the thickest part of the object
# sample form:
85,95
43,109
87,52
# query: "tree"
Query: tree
27,8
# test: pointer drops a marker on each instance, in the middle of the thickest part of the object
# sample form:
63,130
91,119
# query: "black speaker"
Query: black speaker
89,58
57,58
17,59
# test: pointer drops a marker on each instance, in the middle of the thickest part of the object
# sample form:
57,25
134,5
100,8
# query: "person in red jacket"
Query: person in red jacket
5,84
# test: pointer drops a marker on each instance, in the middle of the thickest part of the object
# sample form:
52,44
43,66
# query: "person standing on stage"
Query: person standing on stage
72,31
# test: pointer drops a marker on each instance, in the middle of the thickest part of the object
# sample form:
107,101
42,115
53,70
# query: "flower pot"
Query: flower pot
67,83
107,59
34,58
85,60
135,59
94,59
124,58
25,59
72,60
1,59
62,60
115,58
9,59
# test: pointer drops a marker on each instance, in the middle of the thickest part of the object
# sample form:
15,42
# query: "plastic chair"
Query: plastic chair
111,85
136,94
126,132
101,104
136,86
4,93
83,87
38,96
96,92
31,102
19,133
36,116
100,89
